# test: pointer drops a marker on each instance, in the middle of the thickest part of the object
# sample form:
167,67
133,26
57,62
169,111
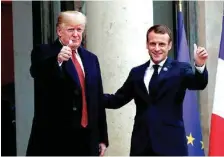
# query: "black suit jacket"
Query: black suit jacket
159,119
58,101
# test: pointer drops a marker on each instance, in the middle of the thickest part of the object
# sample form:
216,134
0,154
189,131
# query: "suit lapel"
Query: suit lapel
165,69
162,75
141,85
70,68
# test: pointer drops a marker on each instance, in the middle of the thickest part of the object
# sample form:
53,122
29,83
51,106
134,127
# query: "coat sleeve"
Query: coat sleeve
195,80
123,95
102,111
44,64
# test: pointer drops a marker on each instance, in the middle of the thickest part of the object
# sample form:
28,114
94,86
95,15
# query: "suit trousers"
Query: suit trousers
148,151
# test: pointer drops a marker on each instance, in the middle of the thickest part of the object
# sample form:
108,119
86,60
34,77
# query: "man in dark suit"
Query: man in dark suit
69,117
158,89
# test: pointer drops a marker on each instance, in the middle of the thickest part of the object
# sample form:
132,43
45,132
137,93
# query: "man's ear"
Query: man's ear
59,31
170,45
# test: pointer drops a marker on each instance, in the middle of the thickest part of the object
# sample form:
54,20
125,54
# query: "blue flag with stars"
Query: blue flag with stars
190,105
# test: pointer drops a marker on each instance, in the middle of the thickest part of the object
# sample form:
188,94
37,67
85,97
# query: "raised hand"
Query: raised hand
200,55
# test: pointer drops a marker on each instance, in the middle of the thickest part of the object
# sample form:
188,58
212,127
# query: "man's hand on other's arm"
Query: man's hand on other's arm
102,149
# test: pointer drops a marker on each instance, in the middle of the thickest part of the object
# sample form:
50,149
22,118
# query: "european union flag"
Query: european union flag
190,104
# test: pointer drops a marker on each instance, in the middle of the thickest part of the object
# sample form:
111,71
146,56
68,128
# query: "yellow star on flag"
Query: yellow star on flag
202,145
190,139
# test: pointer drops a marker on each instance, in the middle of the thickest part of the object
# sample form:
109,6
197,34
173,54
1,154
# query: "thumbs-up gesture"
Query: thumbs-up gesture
65,53
200,55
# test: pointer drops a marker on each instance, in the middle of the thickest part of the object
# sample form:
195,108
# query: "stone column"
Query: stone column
22,46
209,35
116,33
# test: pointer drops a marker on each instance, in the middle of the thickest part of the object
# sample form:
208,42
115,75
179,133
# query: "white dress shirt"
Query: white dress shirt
149,71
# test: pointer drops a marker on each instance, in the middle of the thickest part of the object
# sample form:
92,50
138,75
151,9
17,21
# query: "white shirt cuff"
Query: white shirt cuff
200,69
60,63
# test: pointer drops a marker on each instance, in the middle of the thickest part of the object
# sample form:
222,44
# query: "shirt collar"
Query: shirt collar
160,64
61,42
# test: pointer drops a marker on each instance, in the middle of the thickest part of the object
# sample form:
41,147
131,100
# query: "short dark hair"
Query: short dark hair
160,29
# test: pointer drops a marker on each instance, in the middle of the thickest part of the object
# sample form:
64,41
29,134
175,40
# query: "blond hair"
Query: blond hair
71,17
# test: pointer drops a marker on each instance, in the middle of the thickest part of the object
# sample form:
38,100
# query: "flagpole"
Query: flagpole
180,5
223,9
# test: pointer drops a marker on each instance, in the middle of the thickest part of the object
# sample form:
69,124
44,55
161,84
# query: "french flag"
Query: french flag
217,120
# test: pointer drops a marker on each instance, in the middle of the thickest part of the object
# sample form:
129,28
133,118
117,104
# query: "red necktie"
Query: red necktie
84,120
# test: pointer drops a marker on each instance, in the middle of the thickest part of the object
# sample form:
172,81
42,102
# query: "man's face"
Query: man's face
158,46
71,32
